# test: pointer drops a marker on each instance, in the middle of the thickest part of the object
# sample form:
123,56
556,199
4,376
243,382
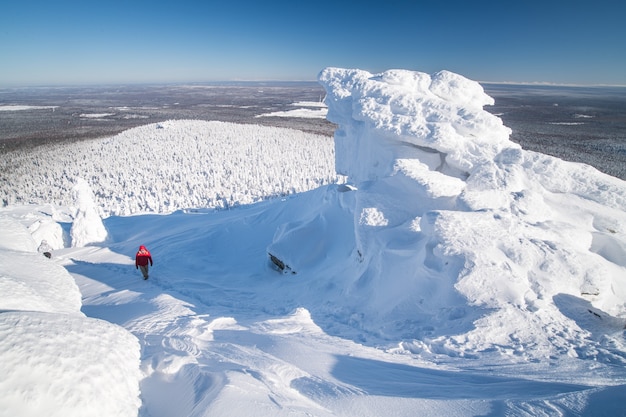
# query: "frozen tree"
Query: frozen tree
87,226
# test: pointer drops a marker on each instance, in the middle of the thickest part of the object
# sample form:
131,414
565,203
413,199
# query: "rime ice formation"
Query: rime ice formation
87,226
386,119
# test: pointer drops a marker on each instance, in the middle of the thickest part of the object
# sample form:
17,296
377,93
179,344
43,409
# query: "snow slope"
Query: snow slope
453,274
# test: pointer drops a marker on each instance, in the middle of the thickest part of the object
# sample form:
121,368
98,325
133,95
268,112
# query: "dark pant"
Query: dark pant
144,271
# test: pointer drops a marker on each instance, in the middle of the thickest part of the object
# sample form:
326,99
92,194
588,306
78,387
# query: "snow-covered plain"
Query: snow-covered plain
20,108
305,109
453,273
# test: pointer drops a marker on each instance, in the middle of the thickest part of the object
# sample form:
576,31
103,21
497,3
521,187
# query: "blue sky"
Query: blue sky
78,42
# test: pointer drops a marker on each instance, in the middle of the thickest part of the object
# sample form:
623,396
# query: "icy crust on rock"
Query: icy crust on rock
465,242
55,361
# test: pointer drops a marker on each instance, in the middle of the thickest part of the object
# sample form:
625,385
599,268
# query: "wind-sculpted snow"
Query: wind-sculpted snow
55,361
401,114
174,165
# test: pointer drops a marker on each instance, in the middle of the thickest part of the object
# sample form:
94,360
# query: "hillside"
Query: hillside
450,272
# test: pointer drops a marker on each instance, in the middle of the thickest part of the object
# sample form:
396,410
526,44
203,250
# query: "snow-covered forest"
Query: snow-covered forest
163,167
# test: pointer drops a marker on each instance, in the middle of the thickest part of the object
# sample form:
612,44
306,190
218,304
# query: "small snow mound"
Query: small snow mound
49,231
16,236
299,321
456,88
225,323
51,289
371,216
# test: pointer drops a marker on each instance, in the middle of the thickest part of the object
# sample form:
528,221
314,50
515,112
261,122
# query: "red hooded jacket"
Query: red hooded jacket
143,257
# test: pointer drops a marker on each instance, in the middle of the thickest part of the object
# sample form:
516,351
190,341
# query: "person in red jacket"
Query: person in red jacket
141,260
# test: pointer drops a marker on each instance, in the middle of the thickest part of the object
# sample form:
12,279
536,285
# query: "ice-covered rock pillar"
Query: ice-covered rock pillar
399,114
410,142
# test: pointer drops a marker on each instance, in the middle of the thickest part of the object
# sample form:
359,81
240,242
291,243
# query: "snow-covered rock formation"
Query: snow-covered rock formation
457,230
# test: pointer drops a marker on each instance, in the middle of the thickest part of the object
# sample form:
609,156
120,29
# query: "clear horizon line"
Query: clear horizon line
206,82
550,84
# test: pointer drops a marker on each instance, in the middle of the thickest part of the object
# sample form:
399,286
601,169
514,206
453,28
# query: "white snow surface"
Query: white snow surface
306,109
15,107
453,274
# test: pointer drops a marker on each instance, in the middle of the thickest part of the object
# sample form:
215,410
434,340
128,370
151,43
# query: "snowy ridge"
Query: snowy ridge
169,166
